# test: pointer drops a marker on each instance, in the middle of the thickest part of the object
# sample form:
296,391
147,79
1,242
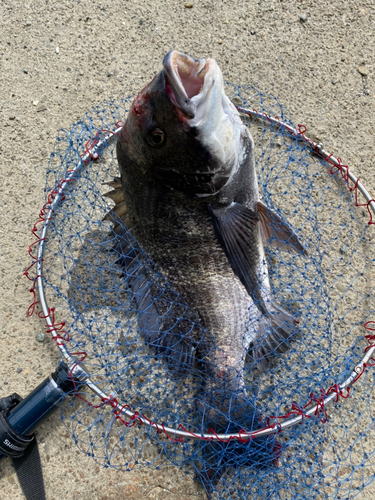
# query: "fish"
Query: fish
189,184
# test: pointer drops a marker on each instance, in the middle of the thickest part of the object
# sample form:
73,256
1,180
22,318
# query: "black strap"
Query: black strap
24,452
29,473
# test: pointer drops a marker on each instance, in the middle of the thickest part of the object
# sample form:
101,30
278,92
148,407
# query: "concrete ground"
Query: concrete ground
59,59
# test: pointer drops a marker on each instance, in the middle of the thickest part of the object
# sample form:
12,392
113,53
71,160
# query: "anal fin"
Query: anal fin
277,330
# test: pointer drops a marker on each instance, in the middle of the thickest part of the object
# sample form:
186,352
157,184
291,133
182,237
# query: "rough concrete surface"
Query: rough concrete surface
59,59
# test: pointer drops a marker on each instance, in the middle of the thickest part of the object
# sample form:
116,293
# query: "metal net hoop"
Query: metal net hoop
315,404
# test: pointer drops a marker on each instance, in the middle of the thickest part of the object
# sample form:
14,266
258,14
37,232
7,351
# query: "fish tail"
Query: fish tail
231,453
262,453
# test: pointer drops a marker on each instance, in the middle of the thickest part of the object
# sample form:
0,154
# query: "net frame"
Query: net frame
314,407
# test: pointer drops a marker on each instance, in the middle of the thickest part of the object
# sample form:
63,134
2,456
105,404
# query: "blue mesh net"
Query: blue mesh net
110,295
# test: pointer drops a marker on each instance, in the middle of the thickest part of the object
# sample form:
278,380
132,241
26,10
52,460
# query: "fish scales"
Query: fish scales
178,235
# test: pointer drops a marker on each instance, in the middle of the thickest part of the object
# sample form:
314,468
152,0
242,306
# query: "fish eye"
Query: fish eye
156,137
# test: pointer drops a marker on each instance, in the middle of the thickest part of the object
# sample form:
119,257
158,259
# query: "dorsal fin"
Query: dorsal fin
119,213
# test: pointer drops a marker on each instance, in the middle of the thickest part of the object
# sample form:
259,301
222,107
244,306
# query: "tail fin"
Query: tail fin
218,456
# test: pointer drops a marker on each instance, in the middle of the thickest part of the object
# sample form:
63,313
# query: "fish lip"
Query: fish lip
172,63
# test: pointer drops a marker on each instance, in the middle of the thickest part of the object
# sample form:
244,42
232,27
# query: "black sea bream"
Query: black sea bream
191,192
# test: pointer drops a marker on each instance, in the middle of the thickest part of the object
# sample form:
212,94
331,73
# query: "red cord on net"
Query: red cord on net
42,213
91,144
296,410
370,338
243,435
320,405
344,172
61,335
31,308
342,169
42,218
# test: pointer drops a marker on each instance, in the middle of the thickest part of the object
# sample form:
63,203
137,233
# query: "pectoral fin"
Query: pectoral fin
276,232
236,228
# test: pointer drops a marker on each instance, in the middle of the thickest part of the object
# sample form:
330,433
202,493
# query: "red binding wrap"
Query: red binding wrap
91,144
342,169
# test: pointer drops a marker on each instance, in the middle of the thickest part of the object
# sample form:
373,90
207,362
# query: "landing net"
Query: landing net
315,402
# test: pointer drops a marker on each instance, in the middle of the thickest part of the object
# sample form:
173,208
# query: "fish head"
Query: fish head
183,130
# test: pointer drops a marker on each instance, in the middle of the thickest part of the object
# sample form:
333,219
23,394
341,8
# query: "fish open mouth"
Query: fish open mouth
185,79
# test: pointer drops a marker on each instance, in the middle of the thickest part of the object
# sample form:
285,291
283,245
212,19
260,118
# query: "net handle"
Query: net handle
79,372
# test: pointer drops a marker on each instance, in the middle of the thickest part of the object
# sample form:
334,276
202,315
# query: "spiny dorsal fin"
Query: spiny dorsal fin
116,195
119,213
115,184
